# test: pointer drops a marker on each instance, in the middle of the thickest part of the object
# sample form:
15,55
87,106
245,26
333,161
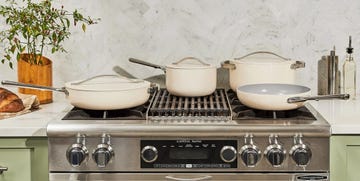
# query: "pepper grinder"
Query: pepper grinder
329,74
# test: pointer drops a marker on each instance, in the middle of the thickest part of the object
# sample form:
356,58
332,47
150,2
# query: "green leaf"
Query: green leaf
11,65
53,50
67,22
3,61
22,48
54,37
12,49
18,56
83,27
7,57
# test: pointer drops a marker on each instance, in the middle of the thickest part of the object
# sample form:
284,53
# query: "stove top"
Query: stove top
214,133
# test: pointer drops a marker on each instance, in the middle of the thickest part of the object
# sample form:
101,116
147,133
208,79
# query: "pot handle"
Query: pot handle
297,64
191,58
228,65
303,99
262,52
20,84
141,62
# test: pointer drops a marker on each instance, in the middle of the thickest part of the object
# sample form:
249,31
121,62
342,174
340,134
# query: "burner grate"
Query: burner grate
120,114
167,105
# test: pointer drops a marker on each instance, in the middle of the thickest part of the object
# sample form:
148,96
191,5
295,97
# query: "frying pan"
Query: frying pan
189,76
278,97
103,92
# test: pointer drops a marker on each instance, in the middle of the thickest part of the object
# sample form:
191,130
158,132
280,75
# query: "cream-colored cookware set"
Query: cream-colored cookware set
263,80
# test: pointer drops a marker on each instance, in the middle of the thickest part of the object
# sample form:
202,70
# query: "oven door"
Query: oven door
190,176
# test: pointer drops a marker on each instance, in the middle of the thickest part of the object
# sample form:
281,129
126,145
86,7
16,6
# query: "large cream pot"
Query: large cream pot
261,67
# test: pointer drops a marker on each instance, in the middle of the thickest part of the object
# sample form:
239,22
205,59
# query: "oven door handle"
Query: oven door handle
188,179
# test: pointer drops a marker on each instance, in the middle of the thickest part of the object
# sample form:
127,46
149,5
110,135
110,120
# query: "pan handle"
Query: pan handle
302,99
19,84
141,62
153,88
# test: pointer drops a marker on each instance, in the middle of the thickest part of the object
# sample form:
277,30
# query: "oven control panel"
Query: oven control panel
188,154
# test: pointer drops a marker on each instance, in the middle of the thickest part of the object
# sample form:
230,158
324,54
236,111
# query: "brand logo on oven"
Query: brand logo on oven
188,141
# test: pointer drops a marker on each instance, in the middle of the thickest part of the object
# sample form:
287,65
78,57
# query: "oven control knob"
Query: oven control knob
228,154
149,154
300,152
250,155
275,153
102,155
301,155
76,154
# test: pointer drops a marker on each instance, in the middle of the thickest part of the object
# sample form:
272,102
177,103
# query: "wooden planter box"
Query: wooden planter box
36,74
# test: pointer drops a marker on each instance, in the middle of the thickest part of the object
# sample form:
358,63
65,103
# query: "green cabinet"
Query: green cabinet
25,158
345,158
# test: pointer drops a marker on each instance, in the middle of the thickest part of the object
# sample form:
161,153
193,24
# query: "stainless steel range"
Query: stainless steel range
177,138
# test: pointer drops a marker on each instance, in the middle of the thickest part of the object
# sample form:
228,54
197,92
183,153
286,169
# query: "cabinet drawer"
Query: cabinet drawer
18,162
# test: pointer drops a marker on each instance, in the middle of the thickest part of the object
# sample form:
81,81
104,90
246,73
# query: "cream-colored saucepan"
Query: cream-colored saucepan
278,97
188,77
261,67
103,92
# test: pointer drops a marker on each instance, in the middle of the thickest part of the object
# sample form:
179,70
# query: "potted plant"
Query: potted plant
33,28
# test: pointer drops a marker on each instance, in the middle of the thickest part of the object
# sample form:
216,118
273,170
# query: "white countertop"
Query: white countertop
344,117
33,124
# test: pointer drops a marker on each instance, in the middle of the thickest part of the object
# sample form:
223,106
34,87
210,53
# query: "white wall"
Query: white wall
164,31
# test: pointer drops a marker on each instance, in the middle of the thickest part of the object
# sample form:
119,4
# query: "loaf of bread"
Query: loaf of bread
10,102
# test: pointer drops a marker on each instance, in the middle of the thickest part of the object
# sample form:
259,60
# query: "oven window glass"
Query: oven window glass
188,154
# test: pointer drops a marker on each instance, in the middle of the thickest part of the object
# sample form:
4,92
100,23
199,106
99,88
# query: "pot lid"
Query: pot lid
107,83
190,63
262,57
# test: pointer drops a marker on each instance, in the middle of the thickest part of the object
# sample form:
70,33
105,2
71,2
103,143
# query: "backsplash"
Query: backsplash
163,31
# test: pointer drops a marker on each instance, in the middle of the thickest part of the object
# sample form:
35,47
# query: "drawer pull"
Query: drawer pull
188,179
3,169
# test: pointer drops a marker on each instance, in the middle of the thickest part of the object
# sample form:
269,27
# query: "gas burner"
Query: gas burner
242,112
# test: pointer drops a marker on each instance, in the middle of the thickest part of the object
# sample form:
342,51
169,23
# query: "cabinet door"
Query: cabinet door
345,158
25,158
18,162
